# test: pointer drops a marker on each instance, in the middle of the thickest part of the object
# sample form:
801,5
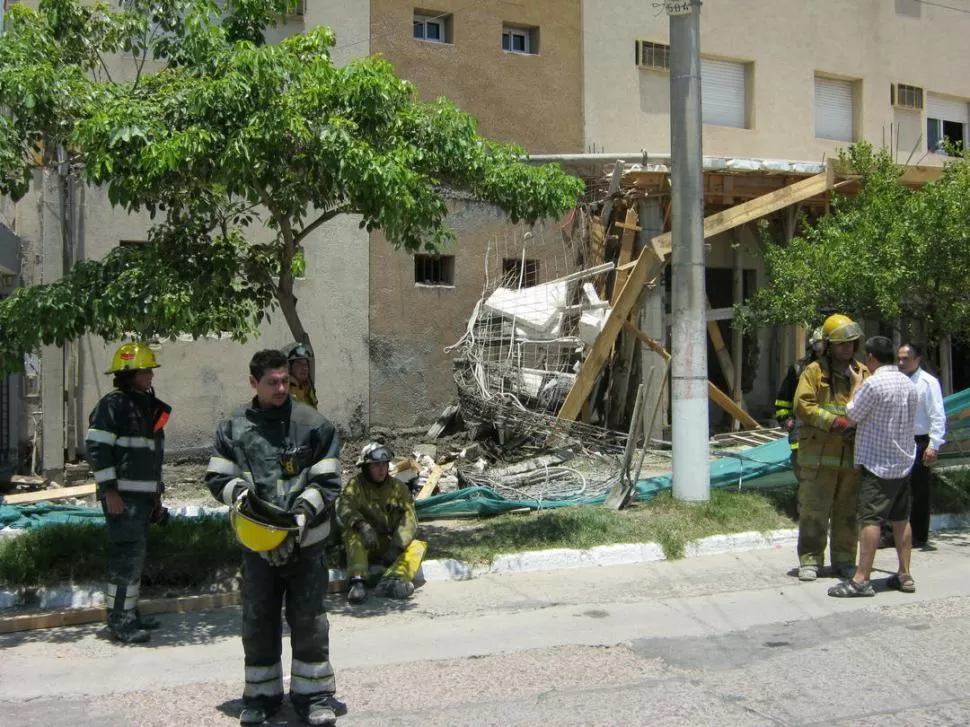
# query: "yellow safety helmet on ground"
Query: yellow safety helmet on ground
839,328
133,357
258,525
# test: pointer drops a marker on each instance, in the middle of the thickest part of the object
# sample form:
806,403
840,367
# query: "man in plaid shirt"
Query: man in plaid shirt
884,407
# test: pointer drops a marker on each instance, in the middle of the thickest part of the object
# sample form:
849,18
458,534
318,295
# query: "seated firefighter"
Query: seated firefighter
380,524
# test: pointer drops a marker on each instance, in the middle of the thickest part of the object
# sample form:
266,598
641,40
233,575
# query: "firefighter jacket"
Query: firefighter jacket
126,441
821,396
303,393
388,507
785,399
288,456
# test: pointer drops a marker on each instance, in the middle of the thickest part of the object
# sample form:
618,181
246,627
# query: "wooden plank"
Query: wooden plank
647,263
27,480
758,207
720,348
716,395
58,493
627,239
444,419
432,482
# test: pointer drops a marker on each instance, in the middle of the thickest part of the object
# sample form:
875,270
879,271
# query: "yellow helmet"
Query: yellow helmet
133,357
258,525
839,328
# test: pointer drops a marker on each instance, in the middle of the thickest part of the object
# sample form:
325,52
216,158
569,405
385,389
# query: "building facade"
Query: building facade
785,79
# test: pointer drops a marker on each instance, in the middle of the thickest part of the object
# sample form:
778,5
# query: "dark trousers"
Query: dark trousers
302,585
919,484
127,548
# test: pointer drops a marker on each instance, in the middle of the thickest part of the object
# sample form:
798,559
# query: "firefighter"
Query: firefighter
785,399
380,524
301,386
279,458
829,483
124,447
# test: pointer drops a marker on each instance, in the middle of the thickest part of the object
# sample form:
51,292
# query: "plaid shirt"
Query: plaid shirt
885,409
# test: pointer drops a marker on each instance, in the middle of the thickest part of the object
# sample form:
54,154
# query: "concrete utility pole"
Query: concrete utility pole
690,422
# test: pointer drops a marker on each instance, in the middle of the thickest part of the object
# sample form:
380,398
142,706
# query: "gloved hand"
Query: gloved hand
841,424
368,535
281,554
390,555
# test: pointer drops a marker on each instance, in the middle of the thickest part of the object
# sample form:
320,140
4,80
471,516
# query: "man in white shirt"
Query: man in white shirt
884,410
930,430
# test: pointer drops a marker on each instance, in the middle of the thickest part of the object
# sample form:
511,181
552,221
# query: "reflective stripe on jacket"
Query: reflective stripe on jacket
288,455
819,399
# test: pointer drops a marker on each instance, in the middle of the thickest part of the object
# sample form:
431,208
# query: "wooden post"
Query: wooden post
737,340
720,348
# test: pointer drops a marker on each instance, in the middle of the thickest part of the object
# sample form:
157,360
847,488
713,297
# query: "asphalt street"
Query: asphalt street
716,640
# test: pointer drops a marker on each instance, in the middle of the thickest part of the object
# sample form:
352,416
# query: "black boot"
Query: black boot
147,622
129,634
357,592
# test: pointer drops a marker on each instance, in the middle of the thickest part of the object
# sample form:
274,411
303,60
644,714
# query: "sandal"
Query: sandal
903,582
851,589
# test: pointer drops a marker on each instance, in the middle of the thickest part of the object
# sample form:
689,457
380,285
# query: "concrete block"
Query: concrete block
711,545
448,569
10,599
779,538
541,560
79,596
626,554
738,542
949,521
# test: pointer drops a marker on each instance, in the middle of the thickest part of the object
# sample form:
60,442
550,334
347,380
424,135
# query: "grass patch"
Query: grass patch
663,520
182,553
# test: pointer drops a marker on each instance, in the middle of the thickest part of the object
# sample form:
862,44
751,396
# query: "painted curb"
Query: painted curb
91,595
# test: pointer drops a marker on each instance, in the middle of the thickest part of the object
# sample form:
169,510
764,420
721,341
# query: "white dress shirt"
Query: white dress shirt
930,417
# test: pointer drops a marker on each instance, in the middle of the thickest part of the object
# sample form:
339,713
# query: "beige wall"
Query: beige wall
410,325
532,100
788,41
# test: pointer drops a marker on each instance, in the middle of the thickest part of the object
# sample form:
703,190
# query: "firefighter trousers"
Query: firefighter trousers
127,549
405,566
300,584
828,502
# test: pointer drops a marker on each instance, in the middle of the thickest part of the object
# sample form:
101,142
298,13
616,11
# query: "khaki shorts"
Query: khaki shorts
883,499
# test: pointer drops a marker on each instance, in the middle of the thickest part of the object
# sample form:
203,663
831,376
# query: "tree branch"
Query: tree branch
325,217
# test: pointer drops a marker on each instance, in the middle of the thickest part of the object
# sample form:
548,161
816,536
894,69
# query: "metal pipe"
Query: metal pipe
690,425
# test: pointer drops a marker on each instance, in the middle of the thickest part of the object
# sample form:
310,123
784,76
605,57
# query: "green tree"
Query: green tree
219,132
888,252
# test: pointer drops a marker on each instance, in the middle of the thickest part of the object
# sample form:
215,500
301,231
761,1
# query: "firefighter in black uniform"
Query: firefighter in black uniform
279,457
124,446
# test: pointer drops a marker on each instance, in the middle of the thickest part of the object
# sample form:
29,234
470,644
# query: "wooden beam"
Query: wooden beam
720,348
715,394
758,207
627,239
648,262
428,489
58,493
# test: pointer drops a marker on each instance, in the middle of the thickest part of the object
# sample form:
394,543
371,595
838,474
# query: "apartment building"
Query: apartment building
784,79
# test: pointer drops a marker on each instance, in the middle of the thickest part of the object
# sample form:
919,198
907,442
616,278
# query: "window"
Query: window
724,90
902,96
946,120
520,40
512,272
432,26
434,269
834,109
655,56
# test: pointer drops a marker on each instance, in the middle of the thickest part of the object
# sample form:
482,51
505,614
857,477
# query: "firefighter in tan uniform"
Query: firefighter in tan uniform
380,524
828,483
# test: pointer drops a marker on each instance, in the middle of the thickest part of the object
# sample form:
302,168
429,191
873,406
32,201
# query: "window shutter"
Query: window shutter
723,93
833,109
946,109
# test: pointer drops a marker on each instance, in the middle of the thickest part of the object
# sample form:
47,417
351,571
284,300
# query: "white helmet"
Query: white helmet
374,452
